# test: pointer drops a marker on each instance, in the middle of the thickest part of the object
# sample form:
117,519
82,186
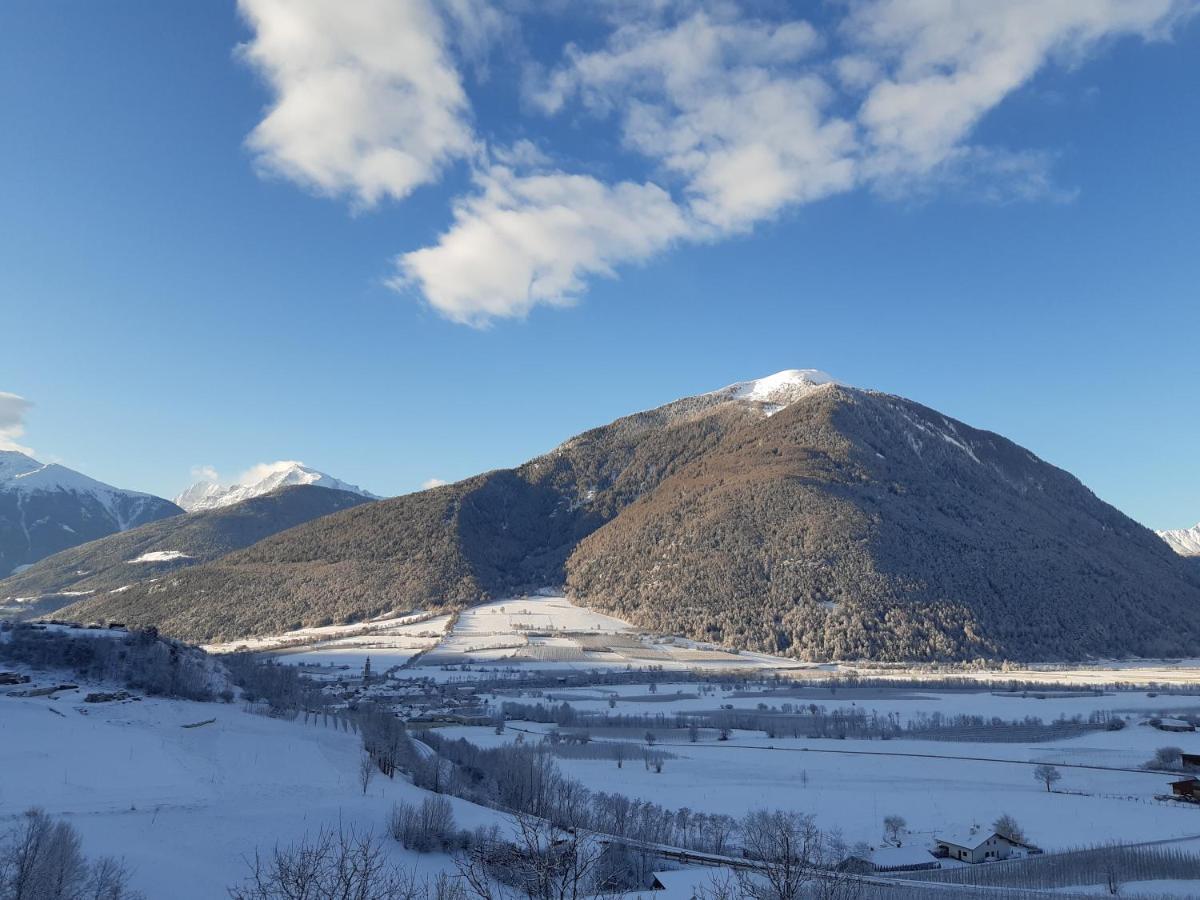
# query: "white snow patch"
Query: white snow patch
160,556
777,391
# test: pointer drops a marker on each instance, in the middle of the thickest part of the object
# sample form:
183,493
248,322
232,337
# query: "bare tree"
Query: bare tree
786,844
1006,826
722,886
109,880
1112,876
893,828
540,862
619,752
41,859
366,771
335,865
1048,775
423,828
1166,758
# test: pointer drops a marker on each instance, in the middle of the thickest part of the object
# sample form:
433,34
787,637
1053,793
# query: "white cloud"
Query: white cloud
524,240
432,483
367,100
731,106
205,473
948,63
12,421
257,473
733,119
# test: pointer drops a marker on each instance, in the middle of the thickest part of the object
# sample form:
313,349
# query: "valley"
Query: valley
183,791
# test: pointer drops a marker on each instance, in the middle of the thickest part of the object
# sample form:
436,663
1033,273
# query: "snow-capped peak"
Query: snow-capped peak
13,463
778,390
261,479
1184,541
21,472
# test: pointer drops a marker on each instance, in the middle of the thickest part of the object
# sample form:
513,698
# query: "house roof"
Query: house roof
965,839
901,856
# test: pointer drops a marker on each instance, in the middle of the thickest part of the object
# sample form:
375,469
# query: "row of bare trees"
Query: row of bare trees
42,859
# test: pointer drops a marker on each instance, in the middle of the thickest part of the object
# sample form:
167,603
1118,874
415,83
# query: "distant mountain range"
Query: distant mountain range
265,479
150,552
1184,541
45,508
790,514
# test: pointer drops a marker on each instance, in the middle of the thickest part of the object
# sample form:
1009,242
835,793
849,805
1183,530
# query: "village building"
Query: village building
1174,725
1186,788
890,859
978,846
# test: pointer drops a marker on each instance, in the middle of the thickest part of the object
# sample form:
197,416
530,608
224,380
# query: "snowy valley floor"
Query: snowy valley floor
186,807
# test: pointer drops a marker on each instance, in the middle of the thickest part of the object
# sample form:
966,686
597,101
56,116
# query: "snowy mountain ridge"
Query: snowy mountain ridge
19,472
262,479
1184,541
46,507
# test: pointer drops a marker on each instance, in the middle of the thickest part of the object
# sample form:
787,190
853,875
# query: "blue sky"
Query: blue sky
438,240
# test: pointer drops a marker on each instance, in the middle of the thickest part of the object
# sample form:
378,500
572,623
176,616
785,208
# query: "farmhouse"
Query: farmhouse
1186,788
1173,725
1190,760
976,847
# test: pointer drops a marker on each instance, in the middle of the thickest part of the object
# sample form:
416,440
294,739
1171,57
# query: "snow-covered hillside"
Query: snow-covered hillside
1184,541
186,806
258,481
46,507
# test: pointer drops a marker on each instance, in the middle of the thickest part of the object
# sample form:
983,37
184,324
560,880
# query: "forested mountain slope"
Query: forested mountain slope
855,524
789,514
154,550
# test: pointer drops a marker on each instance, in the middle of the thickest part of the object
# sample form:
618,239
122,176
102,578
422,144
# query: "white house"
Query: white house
976,847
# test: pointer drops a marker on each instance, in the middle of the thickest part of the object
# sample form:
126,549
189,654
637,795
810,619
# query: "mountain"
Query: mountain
45,508
1184,541
147,553
790,514
265,479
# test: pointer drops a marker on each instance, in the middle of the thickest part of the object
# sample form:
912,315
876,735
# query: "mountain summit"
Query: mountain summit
260,480
1184,541
45,508
790,514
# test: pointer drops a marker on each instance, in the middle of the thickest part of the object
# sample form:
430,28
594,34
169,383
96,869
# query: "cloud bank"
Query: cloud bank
12,421
732,119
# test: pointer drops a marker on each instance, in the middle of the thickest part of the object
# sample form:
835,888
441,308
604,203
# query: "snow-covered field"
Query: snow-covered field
388,642
936,785
185,806
548,631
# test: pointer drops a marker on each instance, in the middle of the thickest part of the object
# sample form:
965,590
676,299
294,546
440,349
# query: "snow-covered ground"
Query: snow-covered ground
548,631
388,642
936,785
185,806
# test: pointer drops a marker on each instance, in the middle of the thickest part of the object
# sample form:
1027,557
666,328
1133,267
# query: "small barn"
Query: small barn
976,847
890,859
1190,760
1186,788
1179,725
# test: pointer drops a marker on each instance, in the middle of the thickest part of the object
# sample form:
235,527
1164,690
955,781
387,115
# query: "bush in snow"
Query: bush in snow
1168,758
424,828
